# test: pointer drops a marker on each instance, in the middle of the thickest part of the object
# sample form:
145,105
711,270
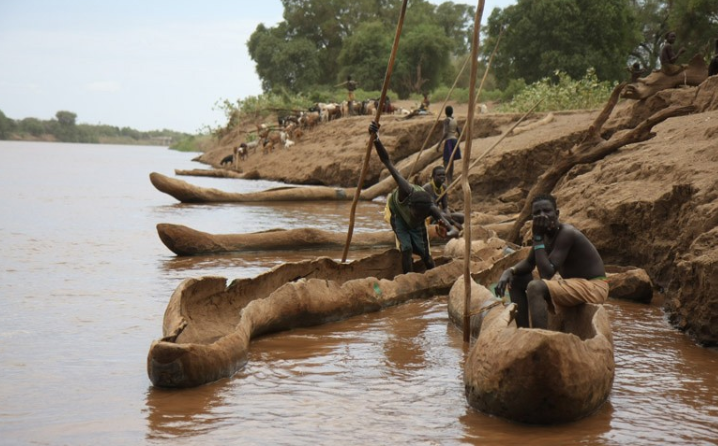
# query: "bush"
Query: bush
564,94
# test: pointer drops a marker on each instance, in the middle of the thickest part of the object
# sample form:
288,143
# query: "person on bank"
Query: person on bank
669,56
410,205
451,140
435,188
557,248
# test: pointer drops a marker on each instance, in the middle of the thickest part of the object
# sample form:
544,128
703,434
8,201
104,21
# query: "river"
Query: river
85,281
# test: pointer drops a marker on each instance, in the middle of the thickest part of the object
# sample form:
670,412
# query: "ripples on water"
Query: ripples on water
85,281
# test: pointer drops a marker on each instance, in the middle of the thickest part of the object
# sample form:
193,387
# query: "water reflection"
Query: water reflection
173,414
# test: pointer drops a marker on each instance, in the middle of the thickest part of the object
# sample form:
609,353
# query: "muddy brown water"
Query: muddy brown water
85,281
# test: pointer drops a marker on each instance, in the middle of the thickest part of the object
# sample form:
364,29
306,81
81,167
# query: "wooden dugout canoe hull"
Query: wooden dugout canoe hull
208,326
188,193
538,376
185,241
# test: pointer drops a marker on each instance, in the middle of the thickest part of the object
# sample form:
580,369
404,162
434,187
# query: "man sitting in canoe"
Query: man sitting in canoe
557,248
410,205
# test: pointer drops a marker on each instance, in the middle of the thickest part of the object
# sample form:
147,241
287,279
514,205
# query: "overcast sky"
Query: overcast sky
144,64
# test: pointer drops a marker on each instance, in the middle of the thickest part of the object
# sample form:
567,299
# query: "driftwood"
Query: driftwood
591,149
692,74
186,241
215,173
530,126
208,326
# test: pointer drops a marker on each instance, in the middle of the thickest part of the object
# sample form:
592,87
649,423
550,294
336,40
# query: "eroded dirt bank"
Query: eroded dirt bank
651,204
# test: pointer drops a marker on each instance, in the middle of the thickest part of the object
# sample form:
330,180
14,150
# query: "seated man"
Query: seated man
410,206
557,247
669,57
435,188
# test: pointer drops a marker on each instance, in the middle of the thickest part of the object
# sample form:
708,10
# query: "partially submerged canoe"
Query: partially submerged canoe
208,326
533,375
185,241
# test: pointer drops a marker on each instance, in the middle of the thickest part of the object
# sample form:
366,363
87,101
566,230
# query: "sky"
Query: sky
144,64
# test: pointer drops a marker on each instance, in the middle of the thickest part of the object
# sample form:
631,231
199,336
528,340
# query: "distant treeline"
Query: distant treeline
64,128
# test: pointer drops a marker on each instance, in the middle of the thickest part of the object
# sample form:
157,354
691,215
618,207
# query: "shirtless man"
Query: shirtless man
669,57
557,247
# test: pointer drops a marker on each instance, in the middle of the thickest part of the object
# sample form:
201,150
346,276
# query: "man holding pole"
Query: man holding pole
410,205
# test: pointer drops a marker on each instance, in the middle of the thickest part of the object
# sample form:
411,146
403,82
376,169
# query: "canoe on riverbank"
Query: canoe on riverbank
208,326
188,193
185,241
533,375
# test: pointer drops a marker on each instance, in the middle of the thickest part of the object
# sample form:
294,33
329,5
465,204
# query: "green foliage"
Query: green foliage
192,143
696,25
562,94
65,129
542,36
320,42
363,53
422,57
7,126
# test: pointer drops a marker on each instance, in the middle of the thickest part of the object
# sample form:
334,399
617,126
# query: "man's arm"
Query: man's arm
404,186
523,267
439,216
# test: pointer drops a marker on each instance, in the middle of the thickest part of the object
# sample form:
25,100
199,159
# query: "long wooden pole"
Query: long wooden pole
478,94
367,155
465,169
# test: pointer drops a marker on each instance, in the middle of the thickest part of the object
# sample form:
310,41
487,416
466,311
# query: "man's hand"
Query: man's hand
540,225
504,280
374,128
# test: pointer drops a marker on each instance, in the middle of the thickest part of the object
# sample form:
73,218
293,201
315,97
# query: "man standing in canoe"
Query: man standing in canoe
557,248
410,205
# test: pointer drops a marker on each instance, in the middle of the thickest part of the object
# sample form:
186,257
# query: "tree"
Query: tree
652,19
7,126
696,24
66,118
424,54
364,55
571,36
457,21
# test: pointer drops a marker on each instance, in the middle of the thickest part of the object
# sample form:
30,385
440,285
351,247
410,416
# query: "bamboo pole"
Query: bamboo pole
481,88
367,155
465,168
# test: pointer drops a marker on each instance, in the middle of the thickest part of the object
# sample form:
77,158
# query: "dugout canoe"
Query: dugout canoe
208,326
188,193
185,241
535,376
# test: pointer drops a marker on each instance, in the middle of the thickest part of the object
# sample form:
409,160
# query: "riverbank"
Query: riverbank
650,204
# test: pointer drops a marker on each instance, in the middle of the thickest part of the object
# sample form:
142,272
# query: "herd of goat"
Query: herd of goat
293,125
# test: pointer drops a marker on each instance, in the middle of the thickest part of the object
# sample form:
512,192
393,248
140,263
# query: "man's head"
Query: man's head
449,110
545,204
670,37
420,203
438,175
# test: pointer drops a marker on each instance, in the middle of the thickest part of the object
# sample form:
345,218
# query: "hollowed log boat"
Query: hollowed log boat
530,375
208,326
